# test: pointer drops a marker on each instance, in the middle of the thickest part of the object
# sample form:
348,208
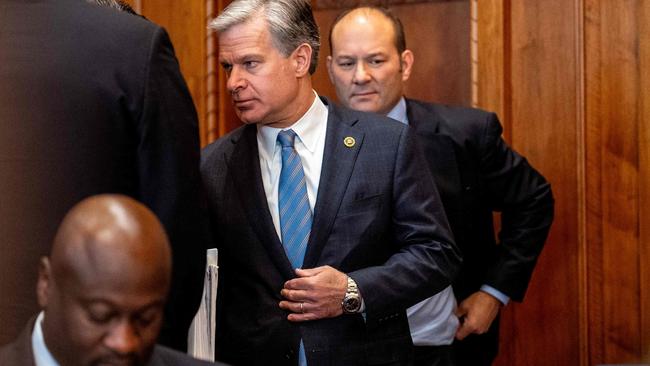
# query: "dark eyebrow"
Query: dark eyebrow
248,57
380,54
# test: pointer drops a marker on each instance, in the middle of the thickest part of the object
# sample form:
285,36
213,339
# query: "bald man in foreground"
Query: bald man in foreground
102,291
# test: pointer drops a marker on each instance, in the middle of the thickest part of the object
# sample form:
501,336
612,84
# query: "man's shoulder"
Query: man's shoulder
224,144
74,21
456,121
19,352
90,14
445,110
367,121
163,356
7,353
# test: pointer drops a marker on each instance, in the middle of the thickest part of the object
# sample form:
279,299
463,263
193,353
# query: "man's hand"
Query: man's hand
476,313
316,294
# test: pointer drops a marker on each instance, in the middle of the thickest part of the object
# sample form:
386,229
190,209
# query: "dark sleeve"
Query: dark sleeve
425,259
525,200
168,164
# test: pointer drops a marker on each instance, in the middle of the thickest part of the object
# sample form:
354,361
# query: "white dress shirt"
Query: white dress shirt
432,321
310,132
42,356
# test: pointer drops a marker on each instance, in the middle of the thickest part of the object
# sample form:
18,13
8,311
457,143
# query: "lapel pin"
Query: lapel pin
349,141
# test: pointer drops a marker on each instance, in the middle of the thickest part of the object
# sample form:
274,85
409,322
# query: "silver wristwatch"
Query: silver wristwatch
351,303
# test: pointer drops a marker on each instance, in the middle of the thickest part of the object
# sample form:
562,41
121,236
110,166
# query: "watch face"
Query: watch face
351,304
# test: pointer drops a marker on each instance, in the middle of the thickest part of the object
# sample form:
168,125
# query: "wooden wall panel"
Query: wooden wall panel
613,114
540,75
573,87
438,34
492,80
643,17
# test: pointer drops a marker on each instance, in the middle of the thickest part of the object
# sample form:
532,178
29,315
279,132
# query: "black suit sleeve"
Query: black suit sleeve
525,199
169,181
425,258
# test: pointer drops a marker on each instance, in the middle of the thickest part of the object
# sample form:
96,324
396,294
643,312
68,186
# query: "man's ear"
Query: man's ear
329,68
44,282
406,58
302,59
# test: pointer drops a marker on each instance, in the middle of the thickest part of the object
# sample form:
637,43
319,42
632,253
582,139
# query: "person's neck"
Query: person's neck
303,101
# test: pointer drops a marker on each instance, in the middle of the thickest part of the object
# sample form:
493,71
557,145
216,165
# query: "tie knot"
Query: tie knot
286,138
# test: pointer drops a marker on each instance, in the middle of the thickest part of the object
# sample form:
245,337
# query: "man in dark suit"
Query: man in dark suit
93,101
476,174
102,291
327,221
115,4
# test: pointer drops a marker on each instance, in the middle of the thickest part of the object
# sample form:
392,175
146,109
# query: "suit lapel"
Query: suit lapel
338,164
245,167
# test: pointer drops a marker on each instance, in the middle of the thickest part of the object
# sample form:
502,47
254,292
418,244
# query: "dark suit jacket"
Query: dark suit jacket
477,174
92,101
377,218
20,352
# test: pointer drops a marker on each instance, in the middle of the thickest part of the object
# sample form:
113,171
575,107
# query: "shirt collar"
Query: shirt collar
399,112
308,129
42,356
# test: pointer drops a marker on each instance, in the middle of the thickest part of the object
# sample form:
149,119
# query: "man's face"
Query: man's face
100,318
365,66
261,81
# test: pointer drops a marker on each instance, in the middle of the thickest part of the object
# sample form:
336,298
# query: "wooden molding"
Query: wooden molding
644,176
211,129
581,173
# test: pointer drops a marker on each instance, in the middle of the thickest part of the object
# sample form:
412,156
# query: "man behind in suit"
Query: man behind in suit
476,174
102,291
327,221
93,101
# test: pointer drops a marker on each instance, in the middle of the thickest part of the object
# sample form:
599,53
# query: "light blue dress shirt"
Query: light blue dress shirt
42,356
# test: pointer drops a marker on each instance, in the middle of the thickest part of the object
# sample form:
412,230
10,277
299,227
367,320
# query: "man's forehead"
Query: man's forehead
363,44
243,53
365,17
234,45
250,31
121,302
356,32
105,285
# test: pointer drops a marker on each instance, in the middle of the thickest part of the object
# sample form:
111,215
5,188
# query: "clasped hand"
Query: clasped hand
316,294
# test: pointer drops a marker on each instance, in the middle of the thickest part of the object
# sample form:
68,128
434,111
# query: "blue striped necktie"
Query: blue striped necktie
295,213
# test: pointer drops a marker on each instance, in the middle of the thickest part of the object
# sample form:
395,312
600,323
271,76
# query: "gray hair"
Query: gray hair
291,23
